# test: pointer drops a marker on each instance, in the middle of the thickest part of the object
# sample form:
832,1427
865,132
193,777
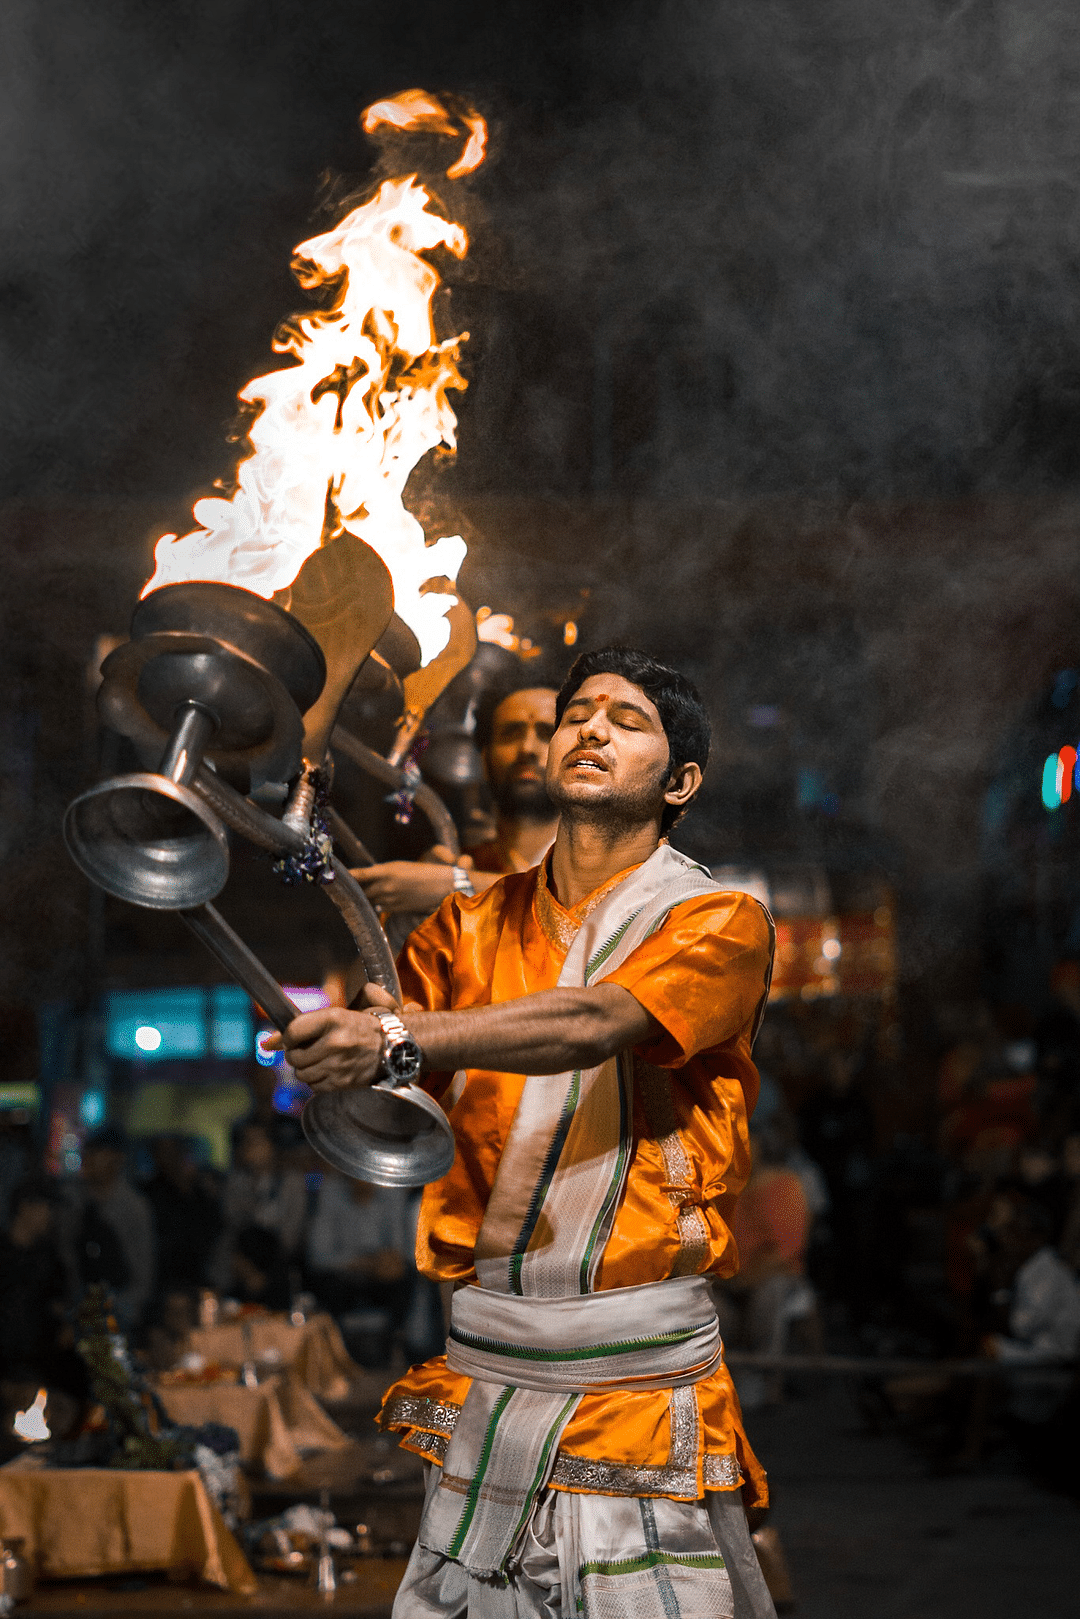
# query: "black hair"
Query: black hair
240,1127
107,1138
676,700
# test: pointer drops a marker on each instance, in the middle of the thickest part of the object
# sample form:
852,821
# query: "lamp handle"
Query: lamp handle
219,938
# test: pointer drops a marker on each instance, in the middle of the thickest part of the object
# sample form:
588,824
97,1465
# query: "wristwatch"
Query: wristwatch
463,883
402,1058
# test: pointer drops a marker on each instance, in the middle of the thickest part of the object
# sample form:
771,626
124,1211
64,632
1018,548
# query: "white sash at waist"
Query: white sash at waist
659,1335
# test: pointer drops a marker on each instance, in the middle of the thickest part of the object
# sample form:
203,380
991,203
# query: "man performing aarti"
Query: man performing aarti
513,738
588,1026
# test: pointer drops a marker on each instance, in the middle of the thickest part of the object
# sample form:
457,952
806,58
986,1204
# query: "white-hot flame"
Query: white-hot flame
31,1424
498,628
339,432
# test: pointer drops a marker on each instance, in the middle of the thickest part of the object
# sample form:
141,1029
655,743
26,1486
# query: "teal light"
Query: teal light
1051,787
230,1021
92,1108
189,1023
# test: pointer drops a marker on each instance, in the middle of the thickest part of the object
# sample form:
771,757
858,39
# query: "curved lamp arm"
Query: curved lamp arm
427,800
279,838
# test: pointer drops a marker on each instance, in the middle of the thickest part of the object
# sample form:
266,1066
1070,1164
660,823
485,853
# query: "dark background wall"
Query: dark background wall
799,245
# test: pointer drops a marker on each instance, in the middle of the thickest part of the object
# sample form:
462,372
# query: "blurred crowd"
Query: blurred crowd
959,1240
963,1240
269,1232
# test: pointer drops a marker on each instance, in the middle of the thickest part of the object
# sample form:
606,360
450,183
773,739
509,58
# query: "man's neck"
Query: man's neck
587,854
529,840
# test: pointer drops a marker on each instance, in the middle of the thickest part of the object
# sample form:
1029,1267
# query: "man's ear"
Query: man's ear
683,783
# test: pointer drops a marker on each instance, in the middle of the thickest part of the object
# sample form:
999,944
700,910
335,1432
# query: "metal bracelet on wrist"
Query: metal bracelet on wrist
463,883
402,1058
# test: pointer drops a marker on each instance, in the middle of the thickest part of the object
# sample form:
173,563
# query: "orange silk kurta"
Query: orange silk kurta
703,975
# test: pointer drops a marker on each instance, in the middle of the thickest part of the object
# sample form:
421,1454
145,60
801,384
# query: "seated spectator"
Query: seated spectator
106,1229
32,1285
170,1327
187,1216
264,1209
1039,1177
836,1125
360,1248
1069,1241
772,1223
1057,1041
796,1158
1043,1316
16,1159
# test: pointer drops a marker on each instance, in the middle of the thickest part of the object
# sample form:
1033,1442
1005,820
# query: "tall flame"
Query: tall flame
339,432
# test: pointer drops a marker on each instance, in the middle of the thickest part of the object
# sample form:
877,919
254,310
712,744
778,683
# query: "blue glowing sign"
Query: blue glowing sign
154,1025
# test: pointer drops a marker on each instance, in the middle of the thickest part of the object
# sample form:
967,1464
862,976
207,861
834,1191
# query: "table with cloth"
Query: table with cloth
275,1422
85,1521
313,1350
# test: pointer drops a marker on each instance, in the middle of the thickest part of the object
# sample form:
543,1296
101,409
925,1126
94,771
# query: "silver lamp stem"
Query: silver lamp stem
211,927
183,754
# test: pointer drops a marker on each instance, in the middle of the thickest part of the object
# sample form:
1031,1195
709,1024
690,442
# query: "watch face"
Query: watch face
402,1060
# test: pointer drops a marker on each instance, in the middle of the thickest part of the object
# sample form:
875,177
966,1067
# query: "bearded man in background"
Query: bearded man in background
513,741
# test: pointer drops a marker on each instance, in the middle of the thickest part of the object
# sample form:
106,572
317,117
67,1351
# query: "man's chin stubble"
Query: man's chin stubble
615,813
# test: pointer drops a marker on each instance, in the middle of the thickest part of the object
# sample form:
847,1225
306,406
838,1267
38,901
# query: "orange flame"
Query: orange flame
339,432
475,147
498,628
416,110
412,109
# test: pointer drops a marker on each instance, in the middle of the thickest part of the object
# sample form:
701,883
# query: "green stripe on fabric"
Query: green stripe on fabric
543,1185
616,1181
664,1588
626,1346
538,1477
473,1492
610,945
635,1565
660,920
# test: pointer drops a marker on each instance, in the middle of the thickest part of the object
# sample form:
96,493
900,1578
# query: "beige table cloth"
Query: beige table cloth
84,1521
315,1351
275,1422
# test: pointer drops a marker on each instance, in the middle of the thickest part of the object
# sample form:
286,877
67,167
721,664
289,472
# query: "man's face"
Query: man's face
516,756
256,1151
101,1166
609,756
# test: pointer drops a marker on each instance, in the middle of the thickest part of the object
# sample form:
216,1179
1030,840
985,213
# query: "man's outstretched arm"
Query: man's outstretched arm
545,1033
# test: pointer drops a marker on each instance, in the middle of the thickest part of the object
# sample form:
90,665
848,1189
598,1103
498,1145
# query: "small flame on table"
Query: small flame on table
30,1424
